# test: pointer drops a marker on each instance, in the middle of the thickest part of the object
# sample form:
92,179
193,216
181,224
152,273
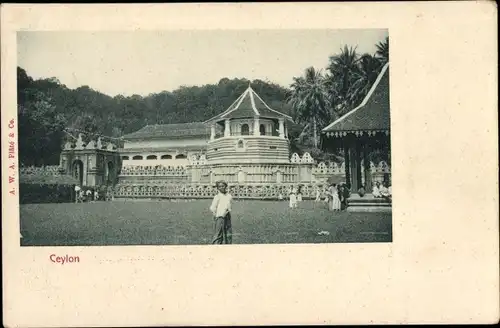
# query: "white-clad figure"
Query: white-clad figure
318,195
293,198
77,193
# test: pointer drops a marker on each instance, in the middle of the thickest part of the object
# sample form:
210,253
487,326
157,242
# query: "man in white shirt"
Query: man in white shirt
221,209
77,193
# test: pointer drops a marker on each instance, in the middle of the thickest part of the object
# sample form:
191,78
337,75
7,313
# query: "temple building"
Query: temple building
246,145
361,131
165,144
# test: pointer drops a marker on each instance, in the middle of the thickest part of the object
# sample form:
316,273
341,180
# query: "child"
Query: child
96,195
299,194
318,194
88,195
293,198
221,209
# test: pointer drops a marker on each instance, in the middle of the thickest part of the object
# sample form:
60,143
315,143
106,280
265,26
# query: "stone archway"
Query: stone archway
77,171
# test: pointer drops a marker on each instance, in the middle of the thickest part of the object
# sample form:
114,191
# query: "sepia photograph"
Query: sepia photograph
138,137
204,137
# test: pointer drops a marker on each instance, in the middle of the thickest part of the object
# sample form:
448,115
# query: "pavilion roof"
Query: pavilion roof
171,131
249,104
373,114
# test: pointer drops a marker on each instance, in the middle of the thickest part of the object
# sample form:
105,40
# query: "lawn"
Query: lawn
190,223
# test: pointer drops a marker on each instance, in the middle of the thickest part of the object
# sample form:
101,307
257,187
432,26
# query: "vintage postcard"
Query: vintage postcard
232,164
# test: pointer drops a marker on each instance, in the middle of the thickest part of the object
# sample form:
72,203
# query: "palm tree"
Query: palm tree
343,69
309,100
368,70
383,50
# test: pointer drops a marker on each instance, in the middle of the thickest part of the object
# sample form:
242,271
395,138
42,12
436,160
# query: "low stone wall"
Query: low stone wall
204,191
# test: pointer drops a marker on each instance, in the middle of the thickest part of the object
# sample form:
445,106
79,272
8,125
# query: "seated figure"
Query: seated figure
376,190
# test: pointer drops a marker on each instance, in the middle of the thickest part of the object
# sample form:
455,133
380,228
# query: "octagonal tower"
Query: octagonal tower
252,133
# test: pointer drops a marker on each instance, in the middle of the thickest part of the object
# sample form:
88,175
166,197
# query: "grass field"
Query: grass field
190,223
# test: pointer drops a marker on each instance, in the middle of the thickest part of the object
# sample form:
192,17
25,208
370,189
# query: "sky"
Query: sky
146,62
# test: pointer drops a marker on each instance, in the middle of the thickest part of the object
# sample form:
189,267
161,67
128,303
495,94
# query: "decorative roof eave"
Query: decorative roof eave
252,95
363,103
155,150
357,133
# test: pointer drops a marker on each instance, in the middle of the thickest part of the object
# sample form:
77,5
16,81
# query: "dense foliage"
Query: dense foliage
318,98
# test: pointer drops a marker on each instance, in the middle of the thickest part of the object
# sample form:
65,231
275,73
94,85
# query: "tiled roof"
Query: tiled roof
374,112
249,104
180,130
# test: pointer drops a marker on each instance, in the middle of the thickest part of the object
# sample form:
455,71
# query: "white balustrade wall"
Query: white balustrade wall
253,181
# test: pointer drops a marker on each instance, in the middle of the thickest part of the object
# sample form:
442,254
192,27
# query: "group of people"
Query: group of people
336,196
295,196
382,191
82,196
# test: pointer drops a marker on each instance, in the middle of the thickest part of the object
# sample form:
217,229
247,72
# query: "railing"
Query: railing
193,191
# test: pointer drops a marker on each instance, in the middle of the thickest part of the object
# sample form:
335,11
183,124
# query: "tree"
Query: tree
383,51
343,71
40,130
309,100
365,76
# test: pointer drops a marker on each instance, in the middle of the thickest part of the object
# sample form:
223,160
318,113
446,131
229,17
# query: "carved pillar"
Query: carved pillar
358,164
227,128
212,132
366,168
256,127
347,163
279,177
282,128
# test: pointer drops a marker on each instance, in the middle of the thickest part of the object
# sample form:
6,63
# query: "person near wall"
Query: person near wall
334,198
293,198
77,193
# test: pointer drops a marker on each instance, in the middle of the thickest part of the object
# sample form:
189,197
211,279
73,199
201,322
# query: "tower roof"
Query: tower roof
373,114
249,104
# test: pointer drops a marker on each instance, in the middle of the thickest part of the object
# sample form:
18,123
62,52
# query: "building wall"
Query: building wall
149,162
248,149
167,143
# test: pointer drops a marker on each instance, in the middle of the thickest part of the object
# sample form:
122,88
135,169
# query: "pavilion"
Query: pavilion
253,132
361,131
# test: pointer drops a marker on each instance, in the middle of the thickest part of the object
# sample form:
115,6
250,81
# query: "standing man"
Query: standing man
77,193
221,209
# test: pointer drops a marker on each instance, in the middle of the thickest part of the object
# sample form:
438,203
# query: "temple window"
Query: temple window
245,130
125,158
180,156
166,157
240,144
262,130
137,157
152,157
